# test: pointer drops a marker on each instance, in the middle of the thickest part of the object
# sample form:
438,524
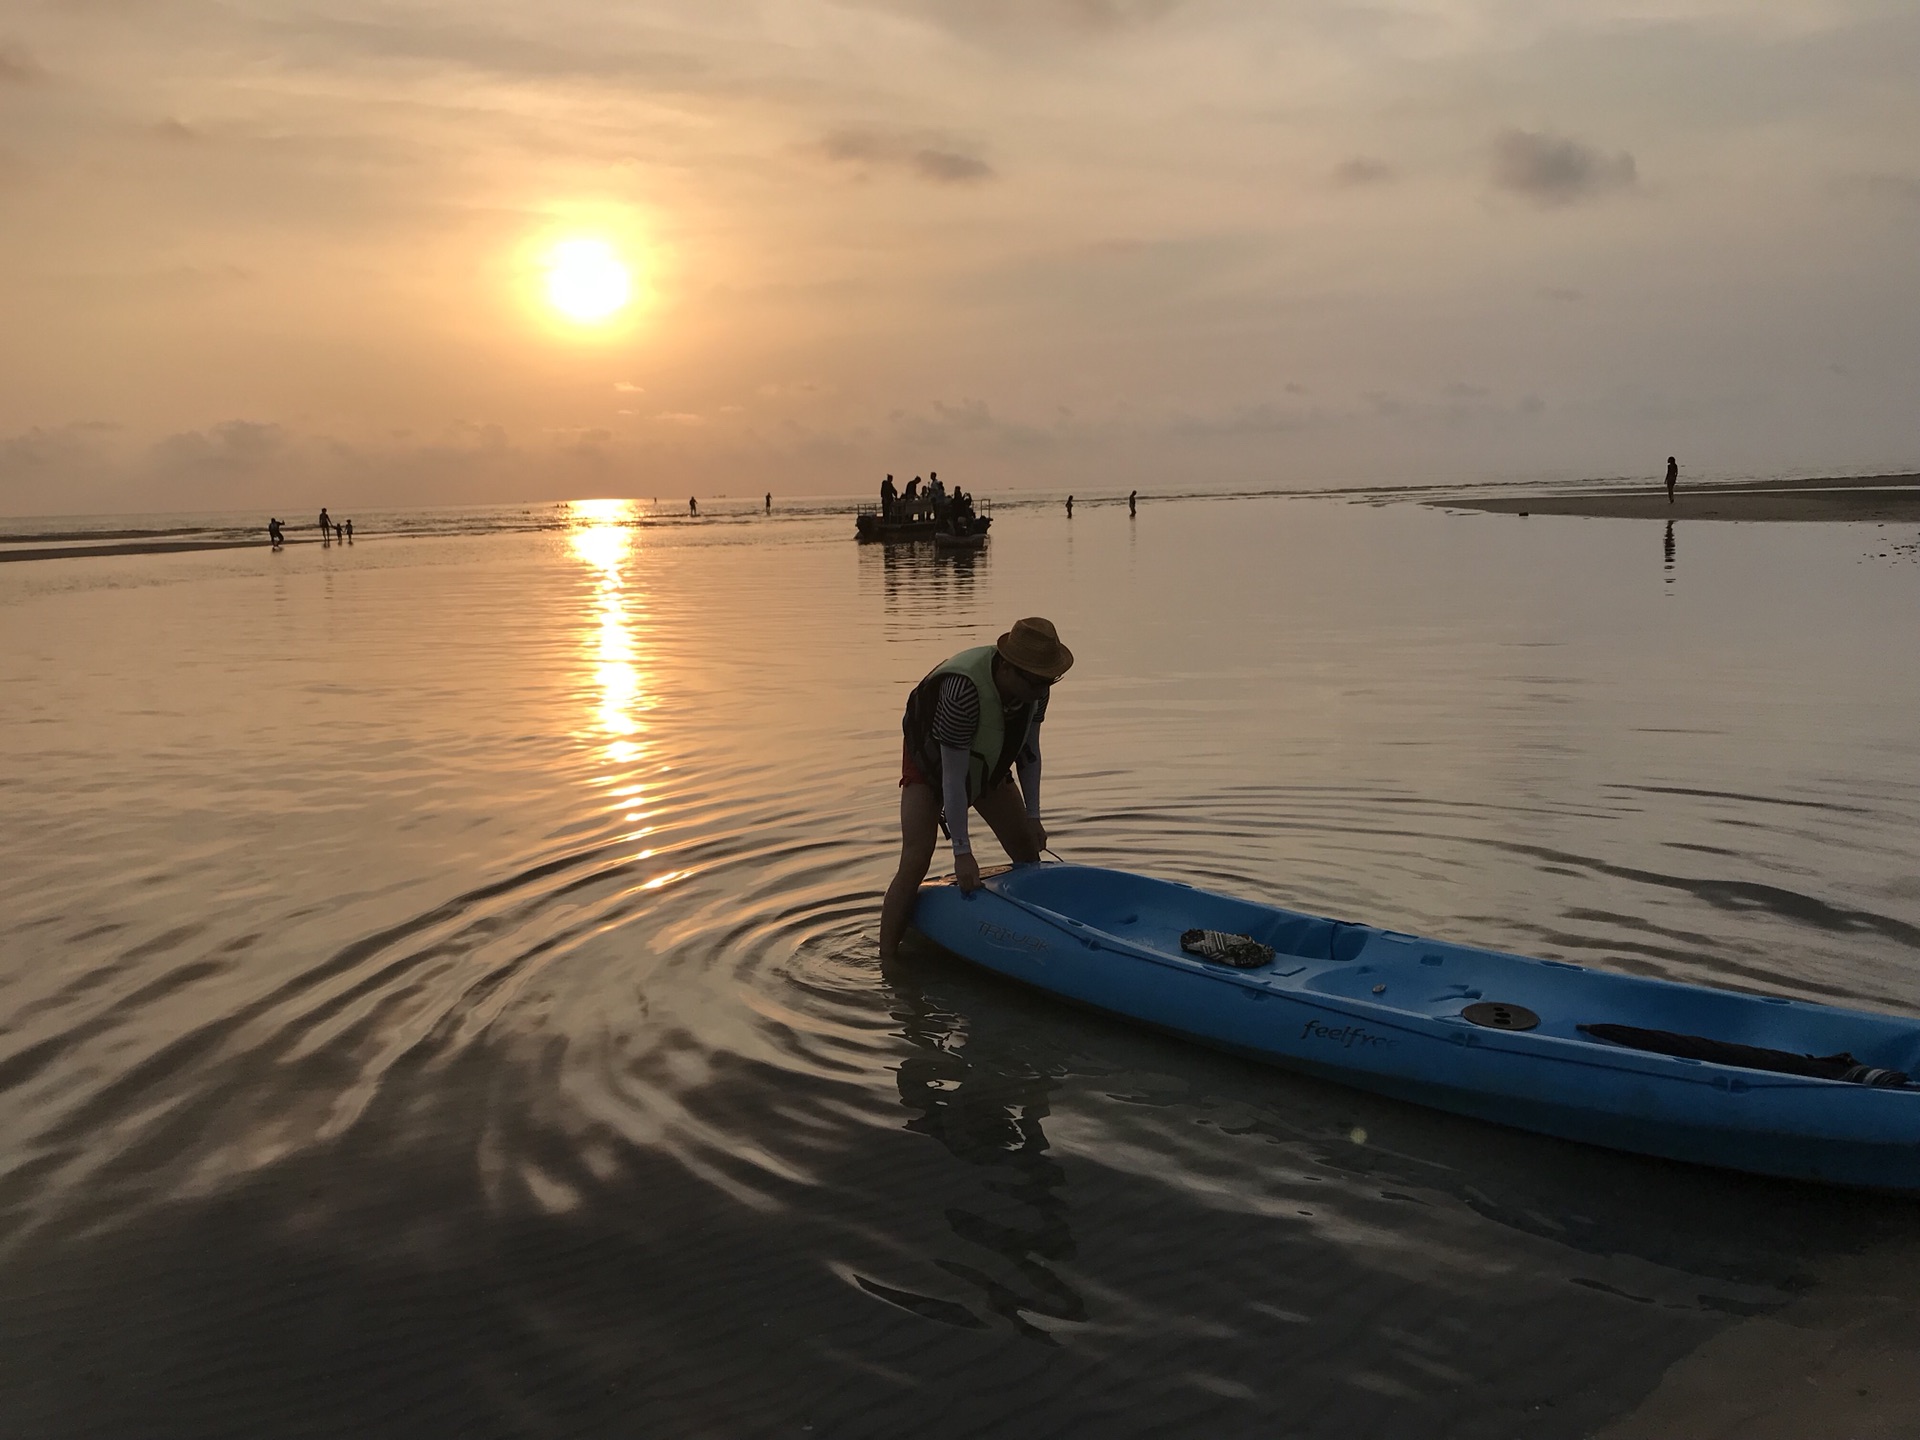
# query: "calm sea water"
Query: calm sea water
440,992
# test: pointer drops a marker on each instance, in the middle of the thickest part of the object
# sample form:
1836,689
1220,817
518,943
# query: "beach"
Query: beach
1884,499
442,992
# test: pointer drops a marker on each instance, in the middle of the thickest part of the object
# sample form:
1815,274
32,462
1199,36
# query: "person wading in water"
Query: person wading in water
969,727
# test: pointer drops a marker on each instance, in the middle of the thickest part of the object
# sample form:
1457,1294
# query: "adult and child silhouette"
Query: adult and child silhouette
332,532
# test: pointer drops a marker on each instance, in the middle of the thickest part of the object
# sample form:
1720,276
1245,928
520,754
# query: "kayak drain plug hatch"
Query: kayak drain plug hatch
1497,1016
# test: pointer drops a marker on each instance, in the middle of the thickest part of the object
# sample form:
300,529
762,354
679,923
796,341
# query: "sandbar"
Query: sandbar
1880,498
132,547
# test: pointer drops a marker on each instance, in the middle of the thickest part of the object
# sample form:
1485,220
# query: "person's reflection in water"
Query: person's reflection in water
986,1109
1667,546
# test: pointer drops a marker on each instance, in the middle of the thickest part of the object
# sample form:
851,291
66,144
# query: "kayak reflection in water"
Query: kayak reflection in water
969,726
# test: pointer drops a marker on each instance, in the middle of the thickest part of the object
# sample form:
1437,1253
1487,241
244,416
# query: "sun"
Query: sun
586,281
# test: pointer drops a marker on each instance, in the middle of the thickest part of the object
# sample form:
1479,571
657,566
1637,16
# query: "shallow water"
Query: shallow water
441,994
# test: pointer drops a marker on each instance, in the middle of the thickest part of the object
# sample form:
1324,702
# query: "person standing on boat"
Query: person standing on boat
910,500
888,495
971,726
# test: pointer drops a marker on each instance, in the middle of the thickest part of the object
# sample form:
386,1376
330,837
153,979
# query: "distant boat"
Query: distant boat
1759,1083
868,524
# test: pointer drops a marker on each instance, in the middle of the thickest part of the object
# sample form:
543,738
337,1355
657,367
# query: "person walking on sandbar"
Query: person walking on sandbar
326,525
1133,497
1673,477
971,726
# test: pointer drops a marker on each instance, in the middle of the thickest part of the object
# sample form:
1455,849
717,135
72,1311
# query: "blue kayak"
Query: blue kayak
1653,1066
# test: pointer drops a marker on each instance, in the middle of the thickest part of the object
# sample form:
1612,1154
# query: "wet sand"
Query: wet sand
1880,498
1837,1364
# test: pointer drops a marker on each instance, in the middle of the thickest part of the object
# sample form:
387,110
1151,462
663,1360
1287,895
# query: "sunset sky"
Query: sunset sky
263,254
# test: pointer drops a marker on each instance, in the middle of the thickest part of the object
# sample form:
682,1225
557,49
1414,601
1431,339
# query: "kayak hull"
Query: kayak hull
1381,1011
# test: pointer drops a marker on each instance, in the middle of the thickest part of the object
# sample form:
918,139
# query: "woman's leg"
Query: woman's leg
919,831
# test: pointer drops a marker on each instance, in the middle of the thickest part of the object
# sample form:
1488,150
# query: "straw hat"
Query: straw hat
1034,646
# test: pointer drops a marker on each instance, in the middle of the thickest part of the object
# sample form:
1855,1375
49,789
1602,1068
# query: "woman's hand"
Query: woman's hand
966,873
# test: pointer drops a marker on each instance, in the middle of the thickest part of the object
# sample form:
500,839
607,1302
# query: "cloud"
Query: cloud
238,445
581,440
499,51
1363,170
17,65
969,424
1552,170
996,19
1880,186
627,387
174,131
931,159
49,447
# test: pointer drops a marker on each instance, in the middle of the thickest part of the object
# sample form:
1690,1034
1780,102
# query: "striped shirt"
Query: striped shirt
956,716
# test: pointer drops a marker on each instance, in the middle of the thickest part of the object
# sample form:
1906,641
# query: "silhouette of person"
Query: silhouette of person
1673,477
693,505
274,535
338,533
911,499
1133,497
1069,507
971,742
349,531
887,496
326,525
769,502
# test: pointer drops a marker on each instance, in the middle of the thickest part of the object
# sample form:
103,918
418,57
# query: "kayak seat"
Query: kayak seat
1308,937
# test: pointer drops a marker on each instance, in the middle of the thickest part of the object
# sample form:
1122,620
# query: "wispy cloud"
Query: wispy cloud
930,158
1552,170
1882,185
1007,19
17,65
1363,170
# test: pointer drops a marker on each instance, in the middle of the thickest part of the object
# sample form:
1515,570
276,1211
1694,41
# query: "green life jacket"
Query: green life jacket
990,749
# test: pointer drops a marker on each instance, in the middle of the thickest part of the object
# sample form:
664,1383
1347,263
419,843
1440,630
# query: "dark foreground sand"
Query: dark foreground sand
1841,1363
1872,497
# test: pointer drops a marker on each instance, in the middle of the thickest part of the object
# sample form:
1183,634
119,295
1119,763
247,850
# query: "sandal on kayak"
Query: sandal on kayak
1241,951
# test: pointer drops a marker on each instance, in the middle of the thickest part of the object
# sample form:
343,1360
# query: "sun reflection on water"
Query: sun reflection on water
603,538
